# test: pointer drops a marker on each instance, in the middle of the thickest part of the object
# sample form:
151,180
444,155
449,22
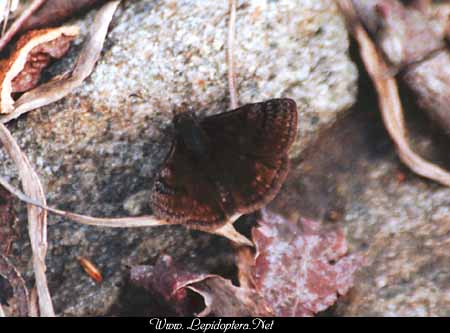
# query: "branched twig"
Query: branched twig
230,55
389,100
227,230
18,22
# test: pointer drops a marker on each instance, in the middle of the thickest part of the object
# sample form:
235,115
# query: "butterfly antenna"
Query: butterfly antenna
230,55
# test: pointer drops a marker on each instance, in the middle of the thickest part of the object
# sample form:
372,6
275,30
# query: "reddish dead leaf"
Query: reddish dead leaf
300,269
7,221
168,281
11,277
220,296
22,70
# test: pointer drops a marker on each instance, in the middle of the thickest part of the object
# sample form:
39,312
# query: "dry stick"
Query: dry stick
227,230
55,90
18,23
37,218
389,100
230,55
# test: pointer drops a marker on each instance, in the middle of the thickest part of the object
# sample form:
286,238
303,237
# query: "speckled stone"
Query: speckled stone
98,149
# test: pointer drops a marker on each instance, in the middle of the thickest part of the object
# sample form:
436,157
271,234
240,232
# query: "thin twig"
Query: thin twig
37,218
230,53
389,100
15,27
227,230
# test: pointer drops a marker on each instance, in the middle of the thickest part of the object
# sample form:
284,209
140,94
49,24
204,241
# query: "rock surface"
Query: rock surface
97,150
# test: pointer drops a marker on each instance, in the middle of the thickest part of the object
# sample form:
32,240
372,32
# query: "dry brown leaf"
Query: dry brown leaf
20,291
221,297
33,52
55,90
389,100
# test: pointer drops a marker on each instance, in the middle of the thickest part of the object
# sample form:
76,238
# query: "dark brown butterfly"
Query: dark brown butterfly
233,162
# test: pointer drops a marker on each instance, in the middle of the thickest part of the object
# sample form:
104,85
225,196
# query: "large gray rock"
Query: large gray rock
98,149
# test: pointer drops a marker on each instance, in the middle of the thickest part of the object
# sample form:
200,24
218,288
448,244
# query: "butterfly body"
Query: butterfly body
233,162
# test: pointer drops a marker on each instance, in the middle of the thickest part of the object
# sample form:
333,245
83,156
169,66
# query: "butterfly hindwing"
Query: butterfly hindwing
182,194
250,183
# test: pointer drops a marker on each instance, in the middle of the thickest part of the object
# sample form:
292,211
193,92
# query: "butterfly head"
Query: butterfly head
189,131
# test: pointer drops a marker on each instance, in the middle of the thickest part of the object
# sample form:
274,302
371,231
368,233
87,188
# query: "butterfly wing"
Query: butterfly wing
251,145
260,129
182,194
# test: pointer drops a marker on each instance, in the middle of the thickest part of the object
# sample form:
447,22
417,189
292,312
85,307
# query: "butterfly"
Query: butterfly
229,163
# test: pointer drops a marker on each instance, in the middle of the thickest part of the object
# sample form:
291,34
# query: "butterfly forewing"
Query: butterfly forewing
267,128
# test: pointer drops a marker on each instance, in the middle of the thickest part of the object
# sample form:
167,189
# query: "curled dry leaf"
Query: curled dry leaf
10,274
300,269
56,89
21,71
220,296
